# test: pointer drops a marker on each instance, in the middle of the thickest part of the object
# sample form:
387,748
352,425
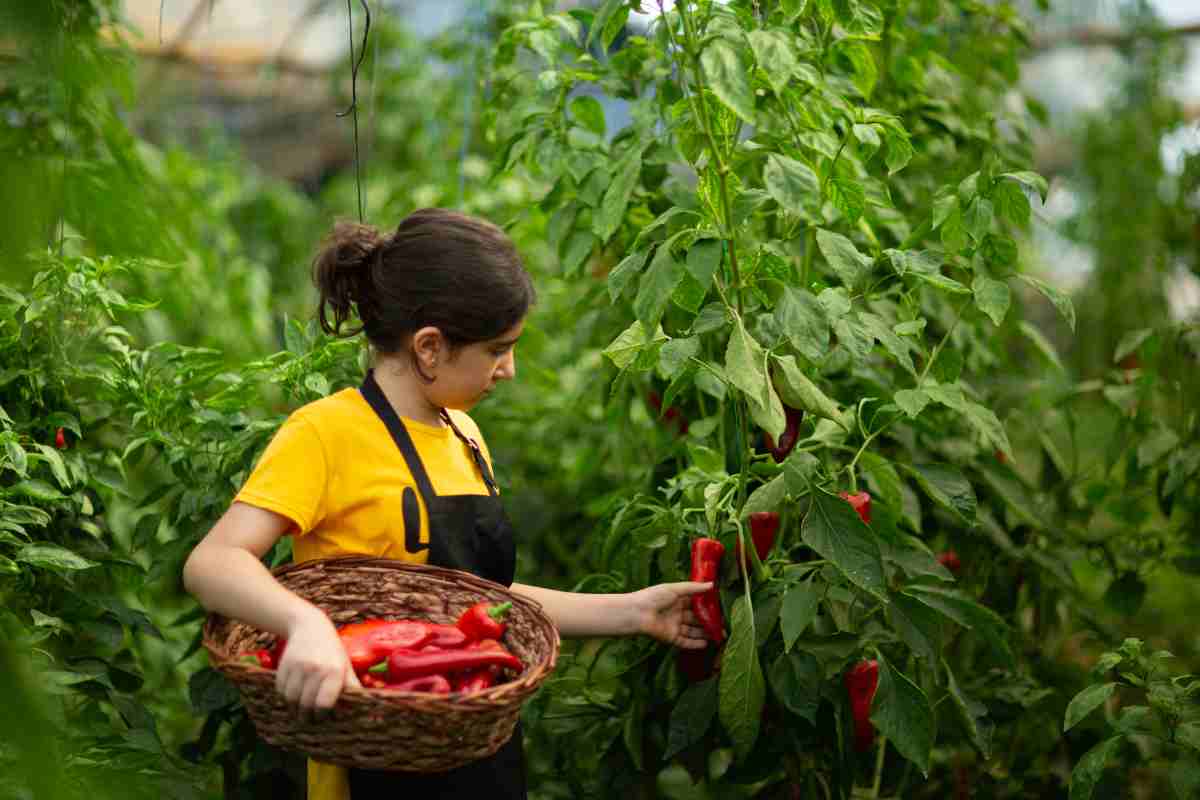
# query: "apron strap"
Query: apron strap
476,453
376,399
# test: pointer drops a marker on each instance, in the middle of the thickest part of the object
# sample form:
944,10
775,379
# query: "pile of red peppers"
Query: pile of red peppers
416,656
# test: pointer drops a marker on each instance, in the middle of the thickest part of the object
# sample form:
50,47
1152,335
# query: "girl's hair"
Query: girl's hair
458,273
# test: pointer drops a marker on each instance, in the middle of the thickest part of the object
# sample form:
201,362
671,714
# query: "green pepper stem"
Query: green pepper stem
498,612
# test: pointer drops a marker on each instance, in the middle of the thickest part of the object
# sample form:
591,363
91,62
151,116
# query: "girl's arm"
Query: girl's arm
662,611
224,572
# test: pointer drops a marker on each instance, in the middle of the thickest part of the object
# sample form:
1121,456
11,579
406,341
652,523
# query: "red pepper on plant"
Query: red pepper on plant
706,565
950,560
764,526
861,680
861,503
484,621
60,439
789,437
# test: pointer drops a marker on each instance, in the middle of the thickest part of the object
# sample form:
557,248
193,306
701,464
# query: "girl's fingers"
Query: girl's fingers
308,693
327,693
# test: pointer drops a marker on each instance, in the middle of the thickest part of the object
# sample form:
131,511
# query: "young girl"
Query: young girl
396,469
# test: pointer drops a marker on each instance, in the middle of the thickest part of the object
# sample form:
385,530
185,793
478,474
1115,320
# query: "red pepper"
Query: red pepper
446,637
483,621
60,439
474,681
430,684
370,681
404,664
950,560
368,642
261,657
861,503
706,564
861,681
764,525
789,437
672,413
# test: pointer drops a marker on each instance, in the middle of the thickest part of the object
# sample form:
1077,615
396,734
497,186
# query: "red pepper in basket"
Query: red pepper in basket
261,657
706,563
764,525
430,684
861,681
369,642
484,621
446,637
474,681
404,664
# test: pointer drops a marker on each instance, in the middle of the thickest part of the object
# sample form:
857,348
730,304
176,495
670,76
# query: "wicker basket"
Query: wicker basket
385,729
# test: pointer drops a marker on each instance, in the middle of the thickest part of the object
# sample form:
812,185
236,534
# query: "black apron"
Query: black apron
468,532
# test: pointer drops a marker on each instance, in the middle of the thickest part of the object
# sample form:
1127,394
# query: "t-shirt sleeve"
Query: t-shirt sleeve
290,476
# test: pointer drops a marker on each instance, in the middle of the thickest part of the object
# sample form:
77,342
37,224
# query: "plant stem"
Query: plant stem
879,767
938,349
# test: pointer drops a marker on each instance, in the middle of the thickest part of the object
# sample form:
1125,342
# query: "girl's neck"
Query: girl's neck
403,390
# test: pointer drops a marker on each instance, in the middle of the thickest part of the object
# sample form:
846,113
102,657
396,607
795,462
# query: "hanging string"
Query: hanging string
353,109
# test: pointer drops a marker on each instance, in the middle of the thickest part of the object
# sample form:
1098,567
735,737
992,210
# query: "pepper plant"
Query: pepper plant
815,206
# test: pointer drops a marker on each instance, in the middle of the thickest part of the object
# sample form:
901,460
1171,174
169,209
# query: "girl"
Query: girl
396,469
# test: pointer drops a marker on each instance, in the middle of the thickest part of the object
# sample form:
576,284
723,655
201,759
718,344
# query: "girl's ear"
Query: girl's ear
429,347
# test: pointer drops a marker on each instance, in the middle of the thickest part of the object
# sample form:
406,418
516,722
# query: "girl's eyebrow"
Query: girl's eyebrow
507,342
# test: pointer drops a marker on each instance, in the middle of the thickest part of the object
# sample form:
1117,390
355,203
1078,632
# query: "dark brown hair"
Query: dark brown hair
458,273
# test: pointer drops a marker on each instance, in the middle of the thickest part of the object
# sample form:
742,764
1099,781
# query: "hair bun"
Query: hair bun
341,269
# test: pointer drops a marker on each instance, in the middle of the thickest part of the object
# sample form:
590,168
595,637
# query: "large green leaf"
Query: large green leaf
1087,772
726,70
742,689
799,610
631,342
621,275
797,391
656,285
53,557
947,487
971,713
968,613
843,257
745,364
918,625
691,717
1055,296
792,184
616,197
992,297
902,712
796,682
833,528
1086,702
802,319
774,54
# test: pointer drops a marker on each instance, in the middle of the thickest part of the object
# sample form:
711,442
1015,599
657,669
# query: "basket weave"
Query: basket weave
385,729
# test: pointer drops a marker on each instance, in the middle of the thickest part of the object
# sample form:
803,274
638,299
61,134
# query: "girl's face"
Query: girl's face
473,370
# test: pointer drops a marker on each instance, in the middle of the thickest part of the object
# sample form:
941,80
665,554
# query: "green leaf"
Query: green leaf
768,497
663,220
1126,594
768,413
1131,342
37,490
862,64
675,355
971,713
848,196
1086,702
1030,179
726,72
626,271
868,140
57,466
979,218
968,613
902,712
210,691
984,420
918,625
17,457
943,207
53,557
858,18
799,610
587,111
896,347
802,319
947,487
992,297
796,682
703,260
911,401
656,285
792,184
797,391
833,528
1185,778
883,477
1012,204
899,151
691,717
1055,296
1041,344
774,54
579,246
843,257
630,343
742,688
616,197
954,232
1087,772
745,364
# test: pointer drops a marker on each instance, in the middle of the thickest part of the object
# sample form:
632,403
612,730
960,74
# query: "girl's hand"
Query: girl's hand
315,667
664,611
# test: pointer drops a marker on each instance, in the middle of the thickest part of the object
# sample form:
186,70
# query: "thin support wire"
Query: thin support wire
353,109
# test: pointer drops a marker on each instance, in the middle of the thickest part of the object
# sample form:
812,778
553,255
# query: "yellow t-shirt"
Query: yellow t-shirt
335,472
